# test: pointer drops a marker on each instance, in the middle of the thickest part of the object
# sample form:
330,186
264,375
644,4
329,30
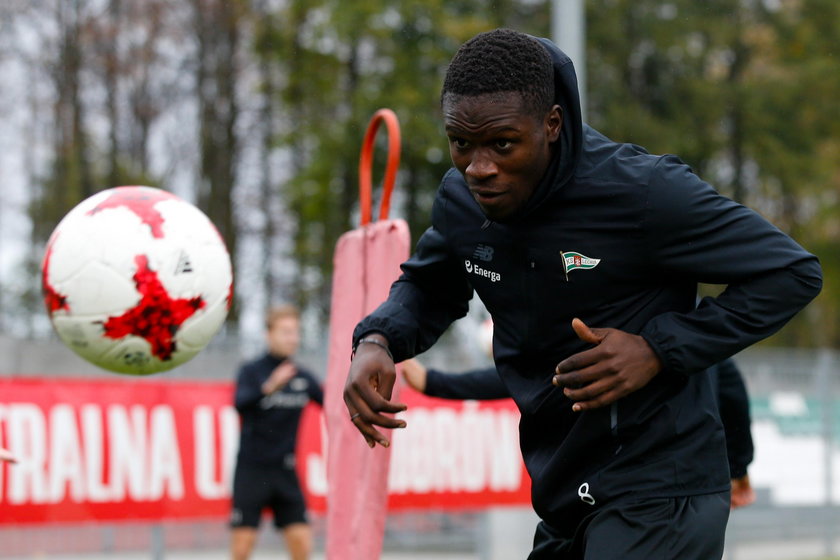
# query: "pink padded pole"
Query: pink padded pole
366,262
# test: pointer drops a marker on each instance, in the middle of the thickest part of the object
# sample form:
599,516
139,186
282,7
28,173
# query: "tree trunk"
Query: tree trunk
217,32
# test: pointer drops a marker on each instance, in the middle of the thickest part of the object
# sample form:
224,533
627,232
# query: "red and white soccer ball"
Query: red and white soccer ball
136,280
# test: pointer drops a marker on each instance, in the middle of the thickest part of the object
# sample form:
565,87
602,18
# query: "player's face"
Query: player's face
284,336
500,148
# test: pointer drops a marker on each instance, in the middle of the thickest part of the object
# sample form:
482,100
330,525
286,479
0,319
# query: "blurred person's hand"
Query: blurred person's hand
281,375
414,374
742,492
6,456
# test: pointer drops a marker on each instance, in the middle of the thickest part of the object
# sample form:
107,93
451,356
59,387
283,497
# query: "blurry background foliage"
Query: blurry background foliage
255,111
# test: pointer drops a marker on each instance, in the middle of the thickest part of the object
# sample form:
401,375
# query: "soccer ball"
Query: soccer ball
136,280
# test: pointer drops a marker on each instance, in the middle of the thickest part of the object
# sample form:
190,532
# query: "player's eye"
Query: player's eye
504,144
459,143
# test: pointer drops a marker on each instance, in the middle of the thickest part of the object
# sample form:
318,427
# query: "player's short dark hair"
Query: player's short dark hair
503,61
280,312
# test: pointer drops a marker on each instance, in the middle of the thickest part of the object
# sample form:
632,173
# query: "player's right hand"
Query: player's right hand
367,393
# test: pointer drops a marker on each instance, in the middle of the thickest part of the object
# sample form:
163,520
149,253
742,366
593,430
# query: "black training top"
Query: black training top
270,422
619,238
731,391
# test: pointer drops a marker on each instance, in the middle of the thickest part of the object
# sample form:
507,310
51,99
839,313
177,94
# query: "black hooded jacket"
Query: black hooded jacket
619,238
730,389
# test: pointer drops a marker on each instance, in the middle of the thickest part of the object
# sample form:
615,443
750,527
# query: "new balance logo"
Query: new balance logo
483,253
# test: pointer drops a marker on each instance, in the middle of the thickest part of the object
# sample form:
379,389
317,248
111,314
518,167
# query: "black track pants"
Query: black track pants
684,528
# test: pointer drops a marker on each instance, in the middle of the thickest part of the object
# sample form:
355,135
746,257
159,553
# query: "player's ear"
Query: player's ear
554,123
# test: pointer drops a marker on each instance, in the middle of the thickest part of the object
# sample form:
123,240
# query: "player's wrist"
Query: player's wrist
373,340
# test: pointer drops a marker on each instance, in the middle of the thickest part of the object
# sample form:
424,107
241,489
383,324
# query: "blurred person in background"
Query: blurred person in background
271,393
587,253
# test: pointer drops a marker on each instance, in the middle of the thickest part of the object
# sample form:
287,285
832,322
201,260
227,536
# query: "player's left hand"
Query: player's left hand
619,364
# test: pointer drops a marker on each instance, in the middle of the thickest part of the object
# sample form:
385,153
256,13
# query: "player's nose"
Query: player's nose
481,167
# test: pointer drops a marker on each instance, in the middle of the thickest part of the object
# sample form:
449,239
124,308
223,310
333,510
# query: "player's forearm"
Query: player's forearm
410,321
431,293
246,396
693,232
480,384
742,315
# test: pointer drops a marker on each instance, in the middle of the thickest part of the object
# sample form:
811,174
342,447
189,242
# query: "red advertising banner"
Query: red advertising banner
115,450
452,455
109,450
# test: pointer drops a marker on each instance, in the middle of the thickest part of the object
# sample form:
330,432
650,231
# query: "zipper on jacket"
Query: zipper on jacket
529,292
614,424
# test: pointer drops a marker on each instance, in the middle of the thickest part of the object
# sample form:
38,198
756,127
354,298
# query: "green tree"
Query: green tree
744,92
87,53
342,61
795,143
217,29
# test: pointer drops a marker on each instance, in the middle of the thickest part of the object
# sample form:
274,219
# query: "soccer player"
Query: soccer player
271,393
587,254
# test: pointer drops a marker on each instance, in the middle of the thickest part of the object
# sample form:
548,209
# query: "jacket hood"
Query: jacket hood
565,159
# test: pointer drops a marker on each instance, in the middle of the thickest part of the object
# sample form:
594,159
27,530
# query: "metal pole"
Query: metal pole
568,31
824,367
158,542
